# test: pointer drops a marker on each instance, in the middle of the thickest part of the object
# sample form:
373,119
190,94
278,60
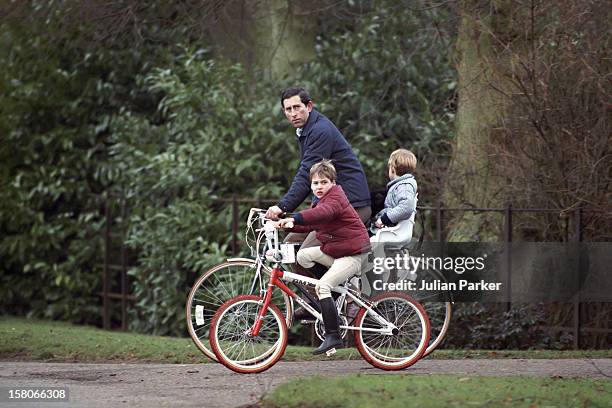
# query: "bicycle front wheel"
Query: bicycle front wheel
235,347
219,284
406,345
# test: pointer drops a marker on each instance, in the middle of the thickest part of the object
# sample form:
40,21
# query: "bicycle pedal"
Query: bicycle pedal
330,352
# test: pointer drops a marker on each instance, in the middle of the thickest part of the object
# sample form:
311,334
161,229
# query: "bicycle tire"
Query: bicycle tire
235,348
441,314
215,287
402,349
437,306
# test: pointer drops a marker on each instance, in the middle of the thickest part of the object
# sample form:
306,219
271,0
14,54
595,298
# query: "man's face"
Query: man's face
296,112
320,185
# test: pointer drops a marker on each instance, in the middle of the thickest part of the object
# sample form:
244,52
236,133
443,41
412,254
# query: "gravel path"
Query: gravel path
212,385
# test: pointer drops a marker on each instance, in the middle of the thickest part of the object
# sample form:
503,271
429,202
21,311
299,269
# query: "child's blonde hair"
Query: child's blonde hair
324,168
403,161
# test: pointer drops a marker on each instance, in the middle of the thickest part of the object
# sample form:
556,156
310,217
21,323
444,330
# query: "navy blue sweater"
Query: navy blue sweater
320,139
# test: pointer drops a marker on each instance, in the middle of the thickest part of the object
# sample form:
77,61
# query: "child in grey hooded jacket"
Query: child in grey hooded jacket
394,224
400,203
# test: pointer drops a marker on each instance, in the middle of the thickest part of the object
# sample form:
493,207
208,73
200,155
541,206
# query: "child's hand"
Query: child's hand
286,223
379,223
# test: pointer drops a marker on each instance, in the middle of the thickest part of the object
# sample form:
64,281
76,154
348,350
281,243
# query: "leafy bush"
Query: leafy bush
56,94
387,81
49,214
217,135
490,326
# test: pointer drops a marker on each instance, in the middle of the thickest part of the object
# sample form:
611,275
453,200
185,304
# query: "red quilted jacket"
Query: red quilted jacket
337,224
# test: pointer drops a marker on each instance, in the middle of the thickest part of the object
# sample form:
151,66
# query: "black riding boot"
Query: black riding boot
332,328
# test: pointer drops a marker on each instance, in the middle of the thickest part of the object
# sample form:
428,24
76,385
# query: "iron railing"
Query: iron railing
235,202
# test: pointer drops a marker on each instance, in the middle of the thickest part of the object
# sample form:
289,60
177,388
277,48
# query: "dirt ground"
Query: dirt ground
212,385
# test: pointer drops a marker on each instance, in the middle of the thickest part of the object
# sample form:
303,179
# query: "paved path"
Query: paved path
212,385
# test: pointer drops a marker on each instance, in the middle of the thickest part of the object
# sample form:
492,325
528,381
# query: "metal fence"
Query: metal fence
114,244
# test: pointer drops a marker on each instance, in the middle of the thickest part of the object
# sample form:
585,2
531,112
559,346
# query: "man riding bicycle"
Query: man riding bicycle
318,139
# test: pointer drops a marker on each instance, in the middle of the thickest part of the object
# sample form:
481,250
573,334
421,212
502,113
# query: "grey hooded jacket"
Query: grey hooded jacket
400,202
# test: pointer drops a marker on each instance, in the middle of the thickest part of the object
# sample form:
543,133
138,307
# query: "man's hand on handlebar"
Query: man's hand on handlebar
274,212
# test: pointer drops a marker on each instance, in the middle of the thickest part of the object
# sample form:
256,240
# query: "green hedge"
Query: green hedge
216,135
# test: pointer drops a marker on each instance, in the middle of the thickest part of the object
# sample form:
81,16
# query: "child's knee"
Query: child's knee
304,259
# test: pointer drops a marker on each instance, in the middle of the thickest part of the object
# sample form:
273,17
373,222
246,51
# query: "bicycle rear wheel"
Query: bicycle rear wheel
232,344
438,306
219,284
405,346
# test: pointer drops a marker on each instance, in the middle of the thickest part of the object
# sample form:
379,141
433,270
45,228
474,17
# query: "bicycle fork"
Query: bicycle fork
265,303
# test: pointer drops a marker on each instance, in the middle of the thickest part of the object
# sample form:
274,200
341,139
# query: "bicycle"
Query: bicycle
248,333
249,276
226,280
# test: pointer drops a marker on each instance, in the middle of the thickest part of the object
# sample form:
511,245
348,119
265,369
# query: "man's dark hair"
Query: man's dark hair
289,92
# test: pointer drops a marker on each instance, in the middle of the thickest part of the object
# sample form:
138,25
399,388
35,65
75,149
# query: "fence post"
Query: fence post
508,239
439,226
107,254
577,304
124,279
234,224
439,212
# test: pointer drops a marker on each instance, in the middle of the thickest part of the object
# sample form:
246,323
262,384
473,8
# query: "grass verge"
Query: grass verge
40,340
439,391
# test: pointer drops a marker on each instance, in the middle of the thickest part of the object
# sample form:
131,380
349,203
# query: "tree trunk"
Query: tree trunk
273,35
472,180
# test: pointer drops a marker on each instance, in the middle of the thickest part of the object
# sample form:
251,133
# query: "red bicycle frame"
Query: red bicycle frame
274,281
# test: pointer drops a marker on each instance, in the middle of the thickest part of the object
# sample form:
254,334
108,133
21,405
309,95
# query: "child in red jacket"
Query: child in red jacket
343,239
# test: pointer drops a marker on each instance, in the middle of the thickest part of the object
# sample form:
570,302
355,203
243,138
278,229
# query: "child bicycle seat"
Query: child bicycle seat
402,233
